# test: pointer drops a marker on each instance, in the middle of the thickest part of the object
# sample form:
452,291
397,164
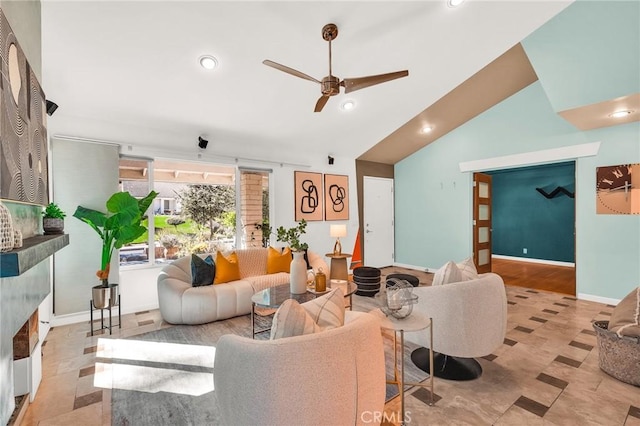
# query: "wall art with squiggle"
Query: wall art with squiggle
336,197
308,196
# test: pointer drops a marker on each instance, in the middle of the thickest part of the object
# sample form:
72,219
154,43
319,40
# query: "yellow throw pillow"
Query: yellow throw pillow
227,268
278,262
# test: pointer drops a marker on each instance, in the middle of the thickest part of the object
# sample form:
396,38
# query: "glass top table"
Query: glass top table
273,297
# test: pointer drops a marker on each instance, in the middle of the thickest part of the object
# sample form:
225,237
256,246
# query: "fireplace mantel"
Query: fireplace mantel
34,250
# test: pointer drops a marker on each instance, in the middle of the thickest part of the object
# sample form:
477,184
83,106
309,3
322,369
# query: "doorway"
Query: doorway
378,222
533,226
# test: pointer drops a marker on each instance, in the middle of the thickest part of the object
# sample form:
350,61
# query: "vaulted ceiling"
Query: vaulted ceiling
128,72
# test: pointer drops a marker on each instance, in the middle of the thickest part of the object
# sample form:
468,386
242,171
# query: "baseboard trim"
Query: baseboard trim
530,260
60,320
599,299
417,268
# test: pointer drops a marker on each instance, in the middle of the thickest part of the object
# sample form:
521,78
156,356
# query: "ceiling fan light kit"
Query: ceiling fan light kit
330,85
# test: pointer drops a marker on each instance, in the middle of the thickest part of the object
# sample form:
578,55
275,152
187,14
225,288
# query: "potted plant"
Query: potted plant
121,225
298,269
291,236
53,220
172,244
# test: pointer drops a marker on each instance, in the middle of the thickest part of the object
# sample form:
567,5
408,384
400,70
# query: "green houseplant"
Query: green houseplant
292,236
121,225
298,268
53,219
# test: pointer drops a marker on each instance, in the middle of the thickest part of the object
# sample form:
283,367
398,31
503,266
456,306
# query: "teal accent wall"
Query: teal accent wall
588,53
524,218
433,198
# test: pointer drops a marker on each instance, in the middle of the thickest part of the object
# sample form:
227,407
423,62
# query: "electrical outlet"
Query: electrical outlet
524,251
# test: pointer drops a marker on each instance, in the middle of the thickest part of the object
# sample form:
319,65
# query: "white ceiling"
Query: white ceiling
127,72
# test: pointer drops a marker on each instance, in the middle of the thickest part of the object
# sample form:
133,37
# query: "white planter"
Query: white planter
298,273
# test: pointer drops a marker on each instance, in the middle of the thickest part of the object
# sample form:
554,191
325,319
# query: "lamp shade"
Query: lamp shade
337,231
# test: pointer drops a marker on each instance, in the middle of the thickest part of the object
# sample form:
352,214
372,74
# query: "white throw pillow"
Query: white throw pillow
468,269
314,316
449,273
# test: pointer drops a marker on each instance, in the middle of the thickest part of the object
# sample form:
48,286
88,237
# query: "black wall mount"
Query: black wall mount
559,190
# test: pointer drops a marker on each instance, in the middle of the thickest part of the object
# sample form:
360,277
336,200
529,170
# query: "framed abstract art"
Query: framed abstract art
308,196
23,133
336,197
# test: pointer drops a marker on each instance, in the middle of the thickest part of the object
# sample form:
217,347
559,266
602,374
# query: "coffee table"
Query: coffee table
272,298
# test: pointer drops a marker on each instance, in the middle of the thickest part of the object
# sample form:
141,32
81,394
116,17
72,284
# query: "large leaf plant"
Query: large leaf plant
121,225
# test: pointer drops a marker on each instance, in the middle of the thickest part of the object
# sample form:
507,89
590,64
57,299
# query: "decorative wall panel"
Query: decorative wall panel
23,135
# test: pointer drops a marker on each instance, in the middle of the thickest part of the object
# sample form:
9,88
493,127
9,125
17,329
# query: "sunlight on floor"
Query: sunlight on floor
155,367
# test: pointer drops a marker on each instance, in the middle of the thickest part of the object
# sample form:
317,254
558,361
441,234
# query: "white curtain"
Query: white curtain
83,174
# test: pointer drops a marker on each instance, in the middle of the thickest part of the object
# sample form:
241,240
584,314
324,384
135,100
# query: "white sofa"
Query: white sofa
469,321
335,377
181,303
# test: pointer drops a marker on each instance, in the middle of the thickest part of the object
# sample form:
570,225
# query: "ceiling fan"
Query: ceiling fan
330,85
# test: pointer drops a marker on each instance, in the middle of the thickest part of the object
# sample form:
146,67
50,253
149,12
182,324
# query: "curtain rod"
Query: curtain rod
199,155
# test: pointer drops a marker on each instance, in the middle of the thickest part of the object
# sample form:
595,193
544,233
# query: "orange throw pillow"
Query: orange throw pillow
278,262
227,268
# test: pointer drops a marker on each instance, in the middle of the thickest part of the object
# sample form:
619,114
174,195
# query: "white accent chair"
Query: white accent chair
469,321
335,377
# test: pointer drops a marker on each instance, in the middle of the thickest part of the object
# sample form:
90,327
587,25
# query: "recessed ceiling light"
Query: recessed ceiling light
620,114
208,62
426,129
348,105
454,3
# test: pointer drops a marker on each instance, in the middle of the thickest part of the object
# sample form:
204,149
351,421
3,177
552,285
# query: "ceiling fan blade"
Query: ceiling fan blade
321,103
288,70
353,84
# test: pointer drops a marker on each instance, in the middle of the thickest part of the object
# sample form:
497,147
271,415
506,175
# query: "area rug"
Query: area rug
166,376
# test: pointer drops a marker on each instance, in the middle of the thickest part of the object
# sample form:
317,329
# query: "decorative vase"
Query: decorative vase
298,273
7,238
52,225
104,295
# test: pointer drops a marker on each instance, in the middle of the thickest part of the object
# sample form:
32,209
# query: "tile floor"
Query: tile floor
546,372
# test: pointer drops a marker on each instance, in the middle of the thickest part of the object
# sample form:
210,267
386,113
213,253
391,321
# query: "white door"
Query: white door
378,222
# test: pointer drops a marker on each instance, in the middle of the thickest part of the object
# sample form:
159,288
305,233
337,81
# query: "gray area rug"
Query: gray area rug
157,405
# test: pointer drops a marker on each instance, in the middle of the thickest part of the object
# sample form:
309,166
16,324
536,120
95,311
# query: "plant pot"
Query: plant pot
52,225
172,252
298,273
104,296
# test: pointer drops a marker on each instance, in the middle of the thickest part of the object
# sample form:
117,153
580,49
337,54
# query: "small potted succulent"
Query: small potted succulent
53,220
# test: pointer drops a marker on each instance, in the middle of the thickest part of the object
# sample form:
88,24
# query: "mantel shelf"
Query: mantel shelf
33,251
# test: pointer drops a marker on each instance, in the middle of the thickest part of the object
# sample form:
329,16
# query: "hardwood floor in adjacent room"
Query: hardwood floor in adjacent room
538,276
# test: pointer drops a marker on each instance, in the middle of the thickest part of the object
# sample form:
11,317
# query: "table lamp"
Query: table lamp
338,231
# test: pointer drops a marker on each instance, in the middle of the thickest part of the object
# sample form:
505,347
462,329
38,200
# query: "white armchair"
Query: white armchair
335,377
469,321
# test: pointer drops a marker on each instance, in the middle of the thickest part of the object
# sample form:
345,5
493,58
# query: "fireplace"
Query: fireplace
26,339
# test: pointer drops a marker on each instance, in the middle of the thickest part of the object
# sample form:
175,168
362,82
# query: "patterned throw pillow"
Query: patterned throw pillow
227,268
203,271
468,269
625,318
449,273
278,262
322,313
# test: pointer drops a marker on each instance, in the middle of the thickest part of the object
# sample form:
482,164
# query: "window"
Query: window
195,210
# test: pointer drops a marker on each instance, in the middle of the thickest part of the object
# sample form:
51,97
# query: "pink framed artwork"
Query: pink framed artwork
336,197
308,196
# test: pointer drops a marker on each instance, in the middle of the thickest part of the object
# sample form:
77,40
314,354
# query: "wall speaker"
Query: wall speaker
202,143
331,159
51,107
